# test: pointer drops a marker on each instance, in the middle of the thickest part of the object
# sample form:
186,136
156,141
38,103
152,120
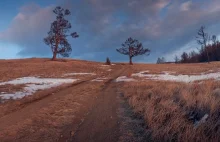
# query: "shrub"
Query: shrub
108,62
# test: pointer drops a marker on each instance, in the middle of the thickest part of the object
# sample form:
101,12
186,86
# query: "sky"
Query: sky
166,27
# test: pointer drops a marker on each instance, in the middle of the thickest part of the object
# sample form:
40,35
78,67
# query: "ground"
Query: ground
110,103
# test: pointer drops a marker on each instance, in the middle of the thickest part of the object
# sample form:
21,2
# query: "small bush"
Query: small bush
108,62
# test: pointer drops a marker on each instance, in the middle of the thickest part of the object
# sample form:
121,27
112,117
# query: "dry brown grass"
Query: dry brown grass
11,69
171,109
178,68
49,119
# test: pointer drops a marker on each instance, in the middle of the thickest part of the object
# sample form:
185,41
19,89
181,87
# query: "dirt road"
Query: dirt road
102,122
85,112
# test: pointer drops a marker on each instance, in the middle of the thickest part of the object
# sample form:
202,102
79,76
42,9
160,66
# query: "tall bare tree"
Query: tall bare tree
132,48
184,57
202,39
57,36
214,39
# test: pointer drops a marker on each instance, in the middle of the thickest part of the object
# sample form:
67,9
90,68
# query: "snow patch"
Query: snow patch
168,72
201,121
144,72
109,70
105,65
178,78
71,74
33,84
99,79
124,79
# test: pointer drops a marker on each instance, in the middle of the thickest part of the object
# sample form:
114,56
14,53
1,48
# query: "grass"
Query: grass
12,69
171,110
47,123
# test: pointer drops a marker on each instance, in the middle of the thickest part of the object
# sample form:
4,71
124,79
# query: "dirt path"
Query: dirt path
28,110
85,112
102,124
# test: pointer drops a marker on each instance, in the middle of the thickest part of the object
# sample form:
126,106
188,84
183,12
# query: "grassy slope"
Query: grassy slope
166,106
171,109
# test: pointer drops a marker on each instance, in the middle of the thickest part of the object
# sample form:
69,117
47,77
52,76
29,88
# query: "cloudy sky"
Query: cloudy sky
166,27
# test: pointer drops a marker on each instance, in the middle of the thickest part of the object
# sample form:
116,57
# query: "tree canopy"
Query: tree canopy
132,48
57,36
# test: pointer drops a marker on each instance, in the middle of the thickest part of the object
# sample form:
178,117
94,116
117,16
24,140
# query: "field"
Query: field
73,100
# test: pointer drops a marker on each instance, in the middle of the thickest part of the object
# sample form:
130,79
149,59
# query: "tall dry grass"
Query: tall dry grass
171,110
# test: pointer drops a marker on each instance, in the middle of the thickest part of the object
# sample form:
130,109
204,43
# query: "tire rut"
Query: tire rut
101,123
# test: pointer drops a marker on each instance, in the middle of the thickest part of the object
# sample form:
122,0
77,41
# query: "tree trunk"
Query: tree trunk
206,50
207,56
54,55
130,59
55,50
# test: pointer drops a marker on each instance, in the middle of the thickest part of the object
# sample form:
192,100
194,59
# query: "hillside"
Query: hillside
74,100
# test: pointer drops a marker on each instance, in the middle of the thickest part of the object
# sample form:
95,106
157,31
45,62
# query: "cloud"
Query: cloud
103,25
185,6
28,28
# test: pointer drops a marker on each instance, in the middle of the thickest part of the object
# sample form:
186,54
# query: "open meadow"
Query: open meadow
74,100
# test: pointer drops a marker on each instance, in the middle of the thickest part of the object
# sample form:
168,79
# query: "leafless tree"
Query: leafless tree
202,39
176,59
57,36
184,57
132,48
161,60
214,39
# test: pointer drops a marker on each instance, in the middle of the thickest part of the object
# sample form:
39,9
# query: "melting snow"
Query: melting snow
179,78
168,72
202,120
33,84
71,74
124,79
99,79
105,65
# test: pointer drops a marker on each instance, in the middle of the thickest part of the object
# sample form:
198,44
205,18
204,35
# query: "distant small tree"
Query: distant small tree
161,60
214,39
132,48
176,59
57,36
158,60
108,62
184,57
202,39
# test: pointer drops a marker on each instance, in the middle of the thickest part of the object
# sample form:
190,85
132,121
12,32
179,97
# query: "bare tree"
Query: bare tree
202,39
158,60
176,59
132,48
161,60
214,39
57,36
184,57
